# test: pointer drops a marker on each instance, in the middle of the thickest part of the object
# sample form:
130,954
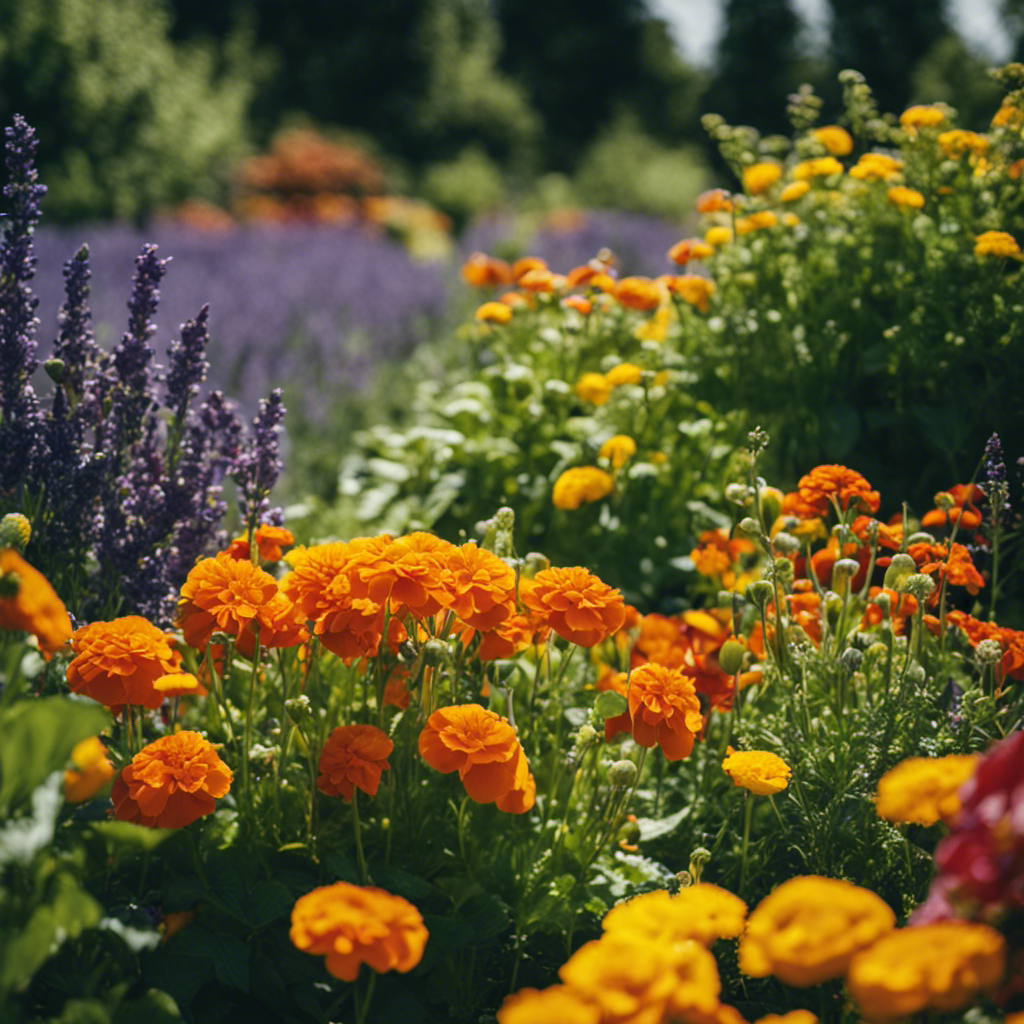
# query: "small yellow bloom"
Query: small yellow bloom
15,532
690,249
794,190
790,220
556,1004
758,178
756,221
493,313
941,966
656,328
759,771
701,912
793,1017
618,450
900,195
920,116
819,167
719,235
580,486
921,790
593,388
693,289
996,243
623,373
1007,114
876,165
957,142
91,772
835,139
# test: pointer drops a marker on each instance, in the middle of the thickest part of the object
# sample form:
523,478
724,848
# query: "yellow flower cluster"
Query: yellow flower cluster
876,165
581,485
758,178
618,450
900,195
835,139
809,929
921,116
701,912
921,790
758,771
819,167
996,243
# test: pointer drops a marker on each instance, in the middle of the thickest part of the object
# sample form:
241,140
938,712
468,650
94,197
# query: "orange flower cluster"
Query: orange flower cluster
351,925
29,604
961,509
663,709
1011,641
270,542
717,555
947,561
120,662
827,484
352,757
484,749
170,783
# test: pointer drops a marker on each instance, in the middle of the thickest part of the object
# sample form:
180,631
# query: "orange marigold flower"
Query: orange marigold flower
701,912
808,929
693,289
758,771
581,485
519,631
482,587
480,745
272,540
756,222
171,782
900,195
396,690
582,305
664,709
28,604
618,450
794,190
758,178
715,200
557,1004
942,966
921,790
593,388
117,662
222,593
540,280
921,116
825,484
481,271
690,249
835,139
901,608
577,605
353,627
526,265
351,925
91,770
313,569
522,796
952,561
996,243
353,757
638,293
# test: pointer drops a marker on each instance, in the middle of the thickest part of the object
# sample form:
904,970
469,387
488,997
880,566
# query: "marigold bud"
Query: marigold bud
845,568
851,659
902,565
622,774
988,652
760,592
15,532
917,585
730,656
785,543
738,494
750,525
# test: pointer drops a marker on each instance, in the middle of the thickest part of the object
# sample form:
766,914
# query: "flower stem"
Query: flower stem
363,874
748,811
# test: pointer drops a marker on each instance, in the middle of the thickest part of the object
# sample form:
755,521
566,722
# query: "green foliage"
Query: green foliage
465,187
136,133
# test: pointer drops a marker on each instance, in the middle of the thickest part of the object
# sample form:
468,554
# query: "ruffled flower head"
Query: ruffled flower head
664,709
482,586
581,485
577,605
921,790
701,912
758,771
353,757
171,782
351,925
118,662
827,484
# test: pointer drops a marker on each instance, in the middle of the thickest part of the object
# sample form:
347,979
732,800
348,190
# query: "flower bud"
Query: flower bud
915,674
786,543
851,659
944,501
783,571
434,652
586,735
876,650
844,569
771,504
918,585
921,537
738,494
535,562
759,593
15,531
622,774
298,708
989,652
750,525
901,565
629,834
730,656
883,602
55,370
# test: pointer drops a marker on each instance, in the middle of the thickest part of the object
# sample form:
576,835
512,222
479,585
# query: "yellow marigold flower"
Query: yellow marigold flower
618,450
554,1005
593,388
638,293
493,313
835,139
793,1017
1007,114
759,771
581,485
996,243
809,929
921,790
624,373
900,195
941,966
693,289
957,142
91,771
756,221
790,220
794,190
719,235
876,165
921,116
701,912
819,167
690,249
656,328
758,178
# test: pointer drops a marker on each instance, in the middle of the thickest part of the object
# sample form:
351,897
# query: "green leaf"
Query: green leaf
609,704
655,828
122,835
36,739
228,954
155,1007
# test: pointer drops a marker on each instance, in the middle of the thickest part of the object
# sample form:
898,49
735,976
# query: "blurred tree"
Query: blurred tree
1011,13
757,64
128,121
953,73
885,41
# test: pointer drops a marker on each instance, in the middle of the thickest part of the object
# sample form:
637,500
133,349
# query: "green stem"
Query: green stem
748,811
363,874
